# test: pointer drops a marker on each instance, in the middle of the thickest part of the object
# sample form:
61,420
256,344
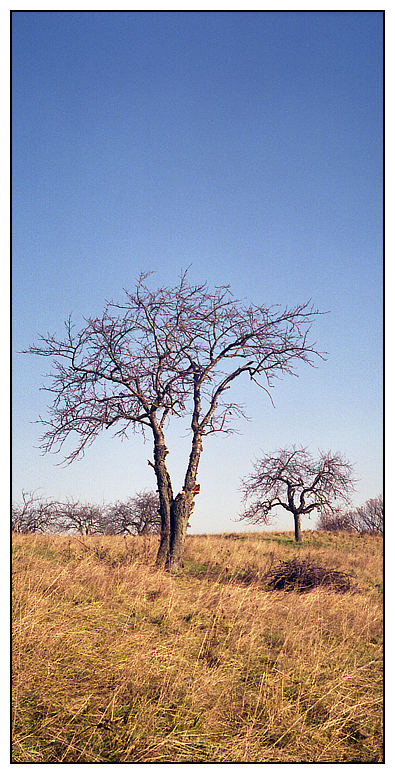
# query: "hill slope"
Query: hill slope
115,661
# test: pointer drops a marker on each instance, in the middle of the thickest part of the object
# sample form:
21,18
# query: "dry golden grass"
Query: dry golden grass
116,661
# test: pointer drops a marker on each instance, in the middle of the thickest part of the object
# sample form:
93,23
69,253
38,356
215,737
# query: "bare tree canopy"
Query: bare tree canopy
34,514
138,515
369,518
158,354
366,519
292,479
83,518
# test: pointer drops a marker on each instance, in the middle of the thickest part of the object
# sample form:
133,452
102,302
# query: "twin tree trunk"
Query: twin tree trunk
174,511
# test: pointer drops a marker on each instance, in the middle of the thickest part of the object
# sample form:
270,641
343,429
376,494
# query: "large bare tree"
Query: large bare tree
292,479
165,353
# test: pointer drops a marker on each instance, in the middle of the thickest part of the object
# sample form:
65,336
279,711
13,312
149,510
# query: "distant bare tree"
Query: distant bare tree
366,519
293,479
85,519
138,515
336,521
33,514
369,518
159,354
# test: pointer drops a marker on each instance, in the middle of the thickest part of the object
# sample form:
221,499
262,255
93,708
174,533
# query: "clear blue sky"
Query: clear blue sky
248,145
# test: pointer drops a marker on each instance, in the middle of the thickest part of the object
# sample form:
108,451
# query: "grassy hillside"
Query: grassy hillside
115,661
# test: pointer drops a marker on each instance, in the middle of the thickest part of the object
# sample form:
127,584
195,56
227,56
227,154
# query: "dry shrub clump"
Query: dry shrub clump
116,661
303,575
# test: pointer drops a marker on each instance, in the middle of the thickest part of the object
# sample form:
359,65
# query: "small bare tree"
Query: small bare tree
171,352
83,518
138,515
34,514
366,519
336,521
369,518
292,479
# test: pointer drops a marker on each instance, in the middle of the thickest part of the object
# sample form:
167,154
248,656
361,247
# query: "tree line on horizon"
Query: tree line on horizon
139,515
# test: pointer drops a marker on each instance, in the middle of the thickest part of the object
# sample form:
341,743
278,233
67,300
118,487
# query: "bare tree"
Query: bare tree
336,521
138,515
33,514
83,518
294,480
366,519
171,352
369,518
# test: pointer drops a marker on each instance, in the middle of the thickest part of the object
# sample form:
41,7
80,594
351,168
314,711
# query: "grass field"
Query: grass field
116,661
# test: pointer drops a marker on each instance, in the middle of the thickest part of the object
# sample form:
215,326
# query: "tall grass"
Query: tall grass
116,661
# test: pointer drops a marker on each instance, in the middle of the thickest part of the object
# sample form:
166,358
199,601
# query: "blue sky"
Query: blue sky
247,145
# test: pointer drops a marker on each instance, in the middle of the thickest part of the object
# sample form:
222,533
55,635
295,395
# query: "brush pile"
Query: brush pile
302,575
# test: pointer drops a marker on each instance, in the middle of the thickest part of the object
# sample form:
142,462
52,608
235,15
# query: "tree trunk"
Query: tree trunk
182,506
179,515
298,533
174,511
165,501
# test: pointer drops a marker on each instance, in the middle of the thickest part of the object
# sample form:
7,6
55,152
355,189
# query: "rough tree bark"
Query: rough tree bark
175,511
298,534
165,492
182,506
